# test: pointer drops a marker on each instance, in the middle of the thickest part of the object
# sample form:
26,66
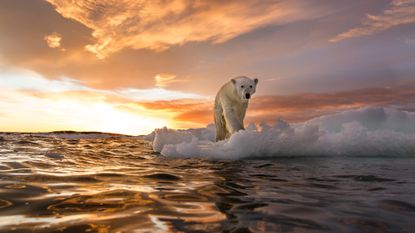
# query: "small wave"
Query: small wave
163,176
54,155
372,131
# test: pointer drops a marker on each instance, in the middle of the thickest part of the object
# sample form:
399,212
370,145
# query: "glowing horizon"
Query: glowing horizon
66,104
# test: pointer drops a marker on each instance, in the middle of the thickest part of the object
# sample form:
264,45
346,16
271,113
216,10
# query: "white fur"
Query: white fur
231,103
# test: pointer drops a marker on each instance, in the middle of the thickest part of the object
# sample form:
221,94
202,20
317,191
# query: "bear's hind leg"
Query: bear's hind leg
220,128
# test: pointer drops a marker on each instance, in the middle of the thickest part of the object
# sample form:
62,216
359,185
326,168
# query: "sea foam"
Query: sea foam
371,131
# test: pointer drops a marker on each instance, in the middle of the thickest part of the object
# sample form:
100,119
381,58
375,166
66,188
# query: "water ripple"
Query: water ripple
119,185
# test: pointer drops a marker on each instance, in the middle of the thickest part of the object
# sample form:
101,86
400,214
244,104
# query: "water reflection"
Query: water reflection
120,185
100,184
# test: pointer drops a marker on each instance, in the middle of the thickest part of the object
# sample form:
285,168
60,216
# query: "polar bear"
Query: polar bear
231,103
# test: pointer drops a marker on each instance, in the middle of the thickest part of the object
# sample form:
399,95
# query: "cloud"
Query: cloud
28,112
164,79
293,108
27,80
154,94
185,112
265,53
67,104
54,41
302,107
22,80
158,25
400,12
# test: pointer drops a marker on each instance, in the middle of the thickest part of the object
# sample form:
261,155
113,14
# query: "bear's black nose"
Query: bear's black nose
247,95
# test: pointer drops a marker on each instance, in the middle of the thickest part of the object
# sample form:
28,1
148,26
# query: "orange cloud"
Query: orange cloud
53,40
293,108
158,25
302,107
65,104
401,12
164,79
185,112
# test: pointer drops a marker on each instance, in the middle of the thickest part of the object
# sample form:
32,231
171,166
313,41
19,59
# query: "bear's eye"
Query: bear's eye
242,86
250,86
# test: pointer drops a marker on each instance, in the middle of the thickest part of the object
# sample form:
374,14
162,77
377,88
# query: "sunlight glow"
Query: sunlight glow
105,118
30,114
31,103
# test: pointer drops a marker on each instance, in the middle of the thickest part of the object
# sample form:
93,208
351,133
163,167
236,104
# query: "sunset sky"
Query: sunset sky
129,66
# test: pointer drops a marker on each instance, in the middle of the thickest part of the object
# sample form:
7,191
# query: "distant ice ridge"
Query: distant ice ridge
371,131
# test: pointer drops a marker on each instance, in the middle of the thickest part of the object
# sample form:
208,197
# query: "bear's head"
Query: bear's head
245,87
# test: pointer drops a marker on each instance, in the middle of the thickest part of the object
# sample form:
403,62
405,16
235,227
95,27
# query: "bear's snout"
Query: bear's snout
247,95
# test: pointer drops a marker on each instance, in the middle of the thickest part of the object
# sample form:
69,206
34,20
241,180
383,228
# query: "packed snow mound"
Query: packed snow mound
363,132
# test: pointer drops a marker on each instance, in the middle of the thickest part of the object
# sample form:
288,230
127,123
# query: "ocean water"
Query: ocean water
118,184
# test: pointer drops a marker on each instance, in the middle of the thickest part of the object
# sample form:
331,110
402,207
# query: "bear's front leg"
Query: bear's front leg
233,124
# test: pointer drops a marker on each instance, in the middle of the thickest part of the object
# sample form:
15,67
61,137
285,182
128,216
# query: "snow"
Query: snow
371,131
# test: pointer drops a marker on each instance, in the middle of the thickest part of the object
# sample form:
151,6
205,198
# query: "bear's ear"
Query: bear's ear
233,81
256,81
